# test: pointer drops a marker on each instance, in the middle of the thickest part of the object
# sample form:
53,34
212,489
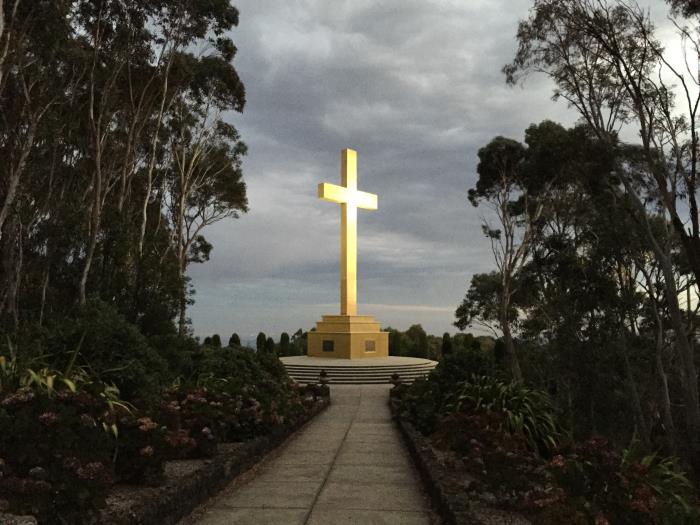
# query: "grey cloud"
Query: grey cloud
416,88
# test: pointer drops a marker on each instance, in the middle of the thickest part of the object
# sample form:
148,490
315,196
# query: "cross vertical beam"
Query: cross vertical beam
350,199
348,236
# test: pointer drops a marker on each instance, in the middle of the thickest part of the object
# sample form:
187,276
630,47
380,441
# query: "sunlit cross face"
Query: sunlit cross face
348,192
350,200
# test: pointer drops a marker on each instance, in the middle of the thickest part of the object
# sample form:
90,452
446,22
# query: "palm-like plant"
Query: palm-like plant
526,412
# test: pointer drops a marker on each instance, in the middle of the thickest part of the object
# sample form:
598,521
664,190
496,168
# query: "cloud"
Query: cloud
413,85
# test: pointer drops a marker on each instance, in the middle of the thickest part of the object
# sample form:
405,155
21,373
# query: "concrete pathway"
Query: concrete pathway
348,466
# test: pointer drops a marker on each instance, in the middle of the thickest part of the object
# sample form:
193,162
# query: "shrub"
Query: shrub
140,449
462,363
421,403
526,412
64,471
626,488
83,437
181,355
110,348
502,461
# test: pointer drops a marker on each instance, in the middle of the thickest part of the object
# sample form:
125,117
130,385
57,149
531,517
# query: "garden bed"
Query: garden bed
188,482
450,487
191,482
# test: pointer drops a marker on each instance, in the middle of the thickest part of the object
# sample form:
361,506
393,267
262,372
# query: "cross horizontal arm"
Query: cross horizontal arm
342,195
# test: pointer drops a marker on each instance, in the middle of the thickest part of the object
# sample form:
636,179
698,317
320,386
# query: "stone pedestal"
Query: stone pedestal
348,337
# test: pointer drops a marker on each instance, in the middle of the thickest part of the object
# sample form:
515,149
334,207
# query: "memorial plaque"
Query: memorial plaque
328,346
369,346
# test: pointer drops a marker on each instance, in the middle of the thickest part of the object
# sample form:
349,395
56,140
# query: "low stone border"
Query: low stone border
191,482
450,501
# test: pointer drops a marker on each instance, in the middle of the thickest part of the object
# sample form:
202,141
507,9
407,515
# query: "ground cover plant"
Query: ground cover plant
505,445
69,434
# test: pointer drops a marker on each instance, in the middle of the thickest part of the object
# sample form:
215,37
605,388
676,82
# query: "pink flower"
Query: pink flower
95,471
48,418
600,519
20,396
146,424
558,461
87,420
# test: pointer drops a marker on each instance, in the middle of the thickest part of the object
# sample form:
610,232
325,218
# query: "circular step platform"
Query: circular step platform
304,369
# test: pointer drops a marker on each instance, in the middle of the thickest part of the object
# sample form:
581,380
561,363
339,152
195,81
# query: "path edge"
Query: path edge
178,499
453,506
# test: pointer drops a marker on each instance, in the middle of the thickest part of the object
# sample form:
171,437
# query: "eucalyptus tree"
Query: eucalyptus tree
608,64
99,101
510,191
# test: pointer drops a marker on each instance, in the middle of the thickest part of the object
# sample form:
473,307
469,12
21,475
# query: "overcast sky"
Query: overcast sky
415,86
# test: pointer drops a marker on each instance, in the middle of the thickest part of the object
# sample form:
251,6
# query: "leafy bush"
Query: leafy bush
115,352
499,433
462,363
526,412
421,403
140,450
260,376
99,340
503,462
628,488
65,468
84,438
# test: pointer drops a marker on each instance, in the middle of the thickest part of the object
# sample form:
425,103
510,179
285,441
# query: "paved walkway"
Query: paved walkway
348,466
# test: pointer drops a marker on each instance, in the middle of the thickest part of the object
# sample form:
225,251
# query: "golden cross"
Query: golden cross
349,199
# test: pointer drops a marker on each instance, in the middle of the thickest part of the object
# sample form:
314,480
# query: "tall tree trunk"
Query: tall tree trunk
182,256
667,415
664,395
690,376
16,173
688,368
182,314
511,355
2,33
44,288
635,401
11,267
95,220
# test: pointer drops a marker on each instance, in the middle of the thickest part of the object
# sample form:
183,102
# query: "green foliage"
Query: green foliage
687,8
299,342
111,349
629,488
500,164
426,401
65,468
235,340
285,345
413,342
502,462
181,355
526,412
446,347
481,301
260,341
416,342
140,448
459,385
395,341
84,436
216,341
462,363
422,403
259,375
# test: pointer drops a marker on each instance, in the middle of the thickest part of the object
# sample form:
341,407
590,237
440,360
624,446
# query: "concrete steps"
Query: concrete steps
359,374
